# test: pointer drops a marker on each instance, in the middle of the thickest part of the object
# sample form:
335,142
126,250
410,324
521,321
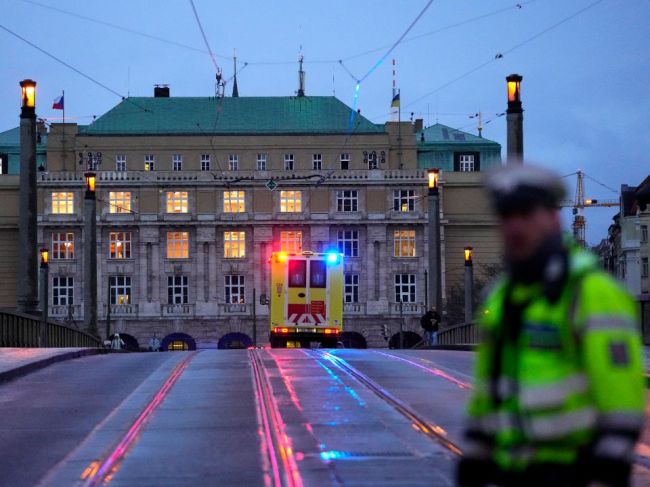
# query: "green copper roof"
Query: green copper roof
441,134
240,115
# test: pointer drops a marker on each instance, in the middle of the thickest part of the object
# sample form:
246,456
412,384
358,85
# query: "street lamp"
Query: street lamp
90,255
515,120
434,275
42,332
469,284
27,299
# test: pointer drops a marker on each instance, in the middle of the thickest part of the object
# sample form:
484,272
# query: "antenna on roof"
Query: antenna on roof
220,85
479,126
301,77
235,90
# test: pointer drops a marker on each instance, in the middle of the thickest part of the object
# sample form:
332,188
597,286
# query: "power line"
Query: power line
205,39
90,78
500,55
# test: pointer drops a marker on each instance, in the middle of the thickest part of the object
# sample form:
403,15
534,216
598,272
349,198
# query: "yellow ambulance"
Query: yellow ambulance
306,299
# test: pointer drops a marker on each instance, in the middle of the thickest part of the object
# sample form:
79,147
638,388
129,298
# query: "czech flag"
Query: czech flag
395,102
58,103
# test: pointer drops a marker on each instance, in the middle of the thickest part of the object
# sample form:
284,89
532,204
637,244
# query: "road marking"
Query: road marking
103,471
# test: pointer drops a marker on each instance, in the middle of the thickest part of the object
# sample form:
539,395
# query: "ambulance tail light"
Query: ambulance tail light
280,330
331,331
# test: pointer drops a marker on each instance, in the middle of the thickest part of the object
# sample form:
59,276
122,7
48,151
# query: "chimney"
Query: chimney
161,91
419,124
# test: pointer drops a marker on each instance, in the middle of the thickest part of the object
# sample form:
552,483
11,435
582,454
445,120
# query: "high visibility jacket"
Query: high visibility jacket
571,380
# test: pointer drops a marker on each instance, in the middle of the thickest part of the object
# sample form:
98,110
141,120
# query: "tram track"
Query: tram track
420,423
277,448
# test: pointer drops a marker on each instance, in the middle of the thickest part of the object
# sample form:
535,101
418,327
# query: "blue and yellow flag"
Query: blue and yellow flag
395,102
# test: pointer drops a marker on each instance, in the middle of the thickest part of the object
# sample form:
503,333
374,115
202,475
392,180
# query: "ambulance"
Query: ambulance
306,298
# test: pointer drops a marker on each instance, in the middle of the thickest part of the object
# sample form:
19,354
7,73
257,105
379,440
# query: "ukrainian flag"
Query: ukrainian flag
395,102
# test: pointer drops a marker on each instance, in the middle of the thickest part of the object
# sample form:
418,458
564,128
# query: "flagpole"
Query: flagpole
63,98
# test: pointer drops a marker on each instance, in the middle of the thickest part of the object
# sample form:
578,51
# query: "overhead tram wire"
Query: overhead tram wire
123,29
500,55
205,39
69,66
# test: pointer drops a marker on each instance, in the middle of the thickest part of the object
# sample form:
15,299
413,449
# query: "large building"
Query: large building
193,195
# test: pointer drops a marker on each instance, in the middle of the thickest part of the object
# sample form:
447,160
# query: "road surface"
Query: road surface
242,417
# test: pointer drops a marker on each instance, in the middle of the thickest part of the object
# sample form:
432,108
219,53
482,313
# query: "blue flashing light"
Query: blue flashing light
333,258
334,455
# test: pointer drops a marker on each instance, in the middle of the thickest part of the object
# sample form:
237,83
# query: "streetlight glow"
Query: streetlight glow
468,255
45,257
91,179
433,175
28,93
514,88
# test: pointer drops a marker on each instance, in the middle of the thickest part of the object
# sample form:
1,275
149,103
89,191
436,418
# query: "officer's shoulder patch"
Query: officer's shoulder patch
619,353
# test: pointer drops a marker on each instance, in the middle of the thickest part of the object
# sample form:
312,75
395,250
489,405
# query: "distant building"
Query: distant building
195,193
10,149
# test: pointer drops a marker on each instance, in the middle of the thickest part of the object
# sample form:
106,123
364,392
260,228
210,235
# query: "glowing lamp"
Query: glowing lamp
91,179
468,255
45,257
281,257
432,175
333,257
514,88
28,93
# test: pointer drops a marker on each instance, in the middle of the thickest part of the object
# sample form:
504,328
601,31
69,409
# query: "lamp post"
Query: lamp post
469,285
27,227
515,118
435,268
90,255
42,332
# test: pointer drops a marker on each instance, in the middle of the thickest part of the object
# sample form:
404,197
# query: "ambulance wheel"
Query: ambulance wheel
278,342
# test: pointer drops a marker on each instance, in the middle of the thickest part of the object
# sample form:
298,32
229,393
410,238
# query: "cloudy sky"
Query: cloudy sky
585,65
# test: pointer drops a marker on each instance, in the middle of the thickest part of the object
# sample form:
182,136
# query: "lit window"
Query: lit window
404,243
290,201
351,288
149,162
119,202
291,242
120,162
233,162
347,200
120,289
233,202
345,161
348,242
178,245
235,289
404,200
288,162
234,245
63,245
62,291
405,288
177,162
177,290
466,162
62,203
119,245
205,162
177,202
317,162
261,161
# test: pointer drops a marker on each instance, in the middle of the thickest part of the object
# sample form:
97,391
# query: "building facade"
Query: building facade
193,195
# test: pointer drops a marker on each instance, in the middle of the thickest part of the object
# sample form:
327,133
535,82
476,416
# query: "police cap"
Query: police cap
519,189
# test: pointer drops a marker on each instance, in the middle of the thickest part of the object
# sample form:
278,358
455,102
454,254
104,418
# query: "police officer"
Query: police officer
430,322
559,390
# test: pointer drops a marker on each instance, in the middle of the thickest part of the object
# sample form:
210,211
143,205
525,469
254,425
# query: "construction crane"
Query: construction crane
580,203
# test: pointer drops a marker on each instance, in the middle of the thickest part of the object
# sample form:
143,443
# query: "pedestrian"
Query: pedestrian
430,322
117,343
559,388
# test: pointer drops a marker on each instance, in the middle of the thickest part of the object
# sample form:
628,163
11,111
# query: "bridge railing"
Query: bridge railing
463,334
22,330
